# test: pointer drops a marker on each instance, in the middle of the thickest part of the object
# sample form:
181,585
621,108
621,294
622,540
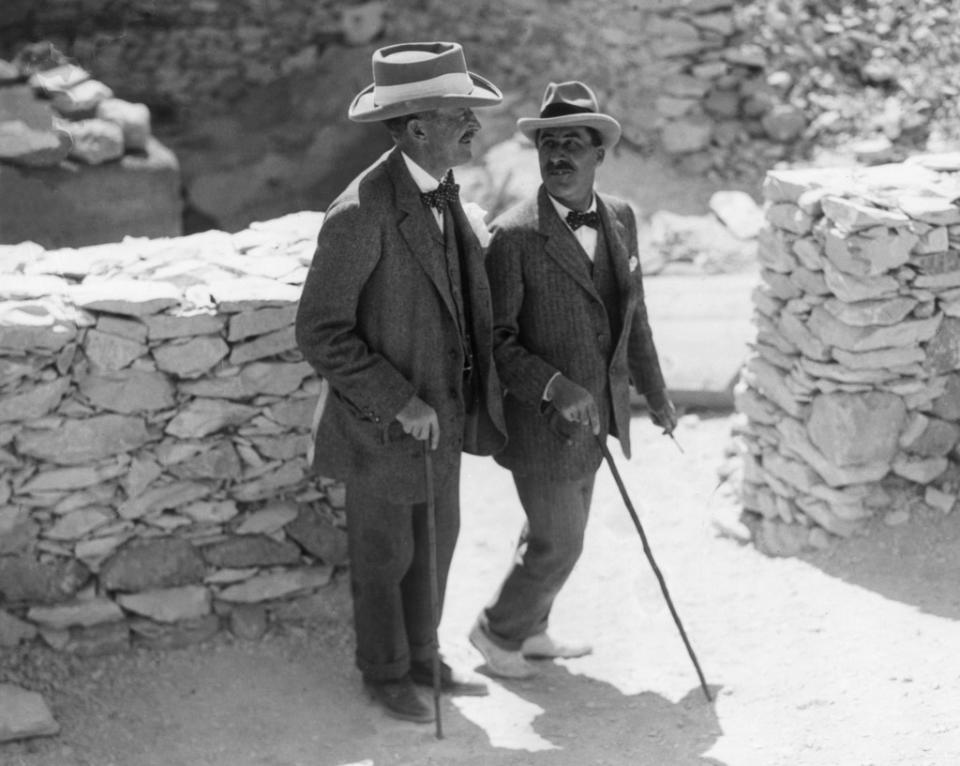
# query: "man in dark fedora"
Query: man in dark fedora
570,336
395,316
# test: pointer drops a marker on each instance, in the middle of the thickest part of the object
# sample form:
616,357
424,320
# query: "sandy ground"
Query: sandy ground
846,657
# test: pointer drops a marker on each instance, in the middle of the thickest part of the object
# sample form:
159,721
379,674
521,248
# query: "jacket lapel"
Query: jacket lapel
561,245
423,237
618,248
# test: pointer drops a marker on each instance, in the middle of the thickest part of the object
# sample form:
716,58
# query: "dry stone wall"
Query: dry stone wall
252,95
154,424
851,401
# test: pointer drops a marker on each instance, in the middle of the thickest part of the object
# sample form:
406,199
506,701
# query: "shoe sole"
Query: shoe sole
557,656
477,690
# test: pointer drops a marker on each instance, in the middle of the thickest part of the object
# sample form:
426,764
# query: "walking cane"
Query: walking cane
656,570
434,586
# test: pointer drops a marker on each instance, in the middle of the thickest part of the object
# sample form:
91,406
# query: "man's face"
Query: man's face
449,134
568,164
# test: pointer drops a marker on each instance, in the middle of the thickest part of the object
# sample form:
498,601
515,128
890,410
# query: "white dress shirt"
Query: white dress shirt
426,183
586,235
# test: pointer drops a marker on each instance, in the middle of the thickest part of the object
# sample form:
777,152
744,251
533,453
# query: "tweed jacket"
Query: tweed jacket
377,321
548,318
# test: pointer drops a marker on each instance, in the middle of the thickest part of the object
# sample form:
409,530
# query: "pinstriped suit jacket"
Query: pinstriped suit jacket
548,317
377,320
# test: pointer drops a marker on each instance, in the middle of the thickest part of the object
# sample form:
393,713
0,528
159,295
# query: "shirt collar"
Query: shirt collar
424,181
562,209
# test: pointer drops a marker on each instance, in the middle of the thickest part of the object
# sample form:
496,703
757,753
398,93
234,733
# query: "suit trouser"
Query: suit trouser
549,548
390,575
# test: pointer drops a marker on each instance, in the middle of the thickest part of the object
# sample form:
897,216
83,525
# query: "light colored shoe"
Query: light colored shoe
543,646
500,662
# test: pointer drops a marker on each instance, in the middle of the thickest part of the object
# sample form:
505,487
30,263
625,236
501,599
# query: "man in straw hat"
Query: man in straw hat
570,335
395,317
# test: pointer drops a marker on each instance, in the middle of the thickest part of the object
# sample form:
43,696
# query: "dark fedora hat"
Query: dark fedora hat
414,77
574,104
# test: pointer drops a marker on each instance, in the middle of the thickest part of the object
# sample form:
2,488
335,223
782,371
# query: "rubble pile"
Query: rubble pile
154,425
851,401
52,109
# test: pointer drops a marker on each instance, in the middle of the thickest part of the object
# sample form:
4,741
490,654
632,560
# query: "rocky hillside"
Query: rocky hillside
880,76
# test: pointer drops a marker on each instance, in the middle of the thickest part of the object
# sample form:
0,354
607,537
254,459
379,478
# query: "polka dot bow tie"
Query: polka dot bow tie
576,219
447,191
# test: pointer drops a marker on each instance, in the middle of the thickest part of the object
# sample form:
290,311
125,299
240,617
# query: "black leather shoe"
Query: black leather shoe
451,681
400,699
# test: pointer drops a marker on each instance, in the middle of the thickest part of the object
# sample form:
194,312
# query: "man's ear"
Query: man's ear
601,153
415,129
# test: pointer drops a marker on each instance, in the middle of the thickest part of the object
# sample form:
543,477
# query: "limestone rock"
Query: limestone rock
268,520
856,430
14,631
255,379
77,524
128,297
271,344
248,621
24,714
21,144
170,604
942,501
919,469
91,641
164,497
191,358
81,99
108,352
319,537
871,312
150,564
84,441
133,119
24,579
35,325
851,214
249,551
177,635
34,402
95,141
202,417
275,585
851,288
128,391
166,326
82,613
869,253
739,213
943,351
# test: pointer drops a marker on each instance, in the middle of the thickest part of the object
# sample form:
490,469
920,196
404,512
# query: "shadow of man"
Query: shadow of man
575,719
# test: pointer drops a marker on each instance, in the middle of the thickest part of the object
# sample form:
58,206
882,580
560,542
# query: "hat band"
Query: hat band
562,110
450,84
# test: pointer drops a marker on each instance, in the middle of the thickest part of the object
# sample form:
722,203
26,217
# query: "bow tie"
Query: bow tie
447,191
576,219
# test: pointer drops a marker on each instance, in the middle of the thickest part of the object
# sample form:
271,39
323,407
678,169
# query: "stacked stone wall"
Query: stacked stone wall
681,75
154,425
851,402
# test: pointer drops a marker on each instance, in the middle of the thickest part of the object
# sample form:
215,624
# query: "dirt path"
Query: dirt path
843,658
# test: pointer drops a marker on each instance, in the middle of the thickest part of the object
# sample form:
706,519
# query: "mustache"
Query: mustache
559,165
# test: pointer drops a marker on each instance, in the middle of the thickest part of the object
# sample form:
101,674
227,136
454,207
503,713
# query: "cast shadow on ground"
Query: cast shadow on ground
915,563
573,719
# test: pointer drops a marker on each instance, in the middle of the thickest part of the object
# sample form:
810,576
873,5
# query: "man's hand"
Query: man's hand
662,411
574,402
419,420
